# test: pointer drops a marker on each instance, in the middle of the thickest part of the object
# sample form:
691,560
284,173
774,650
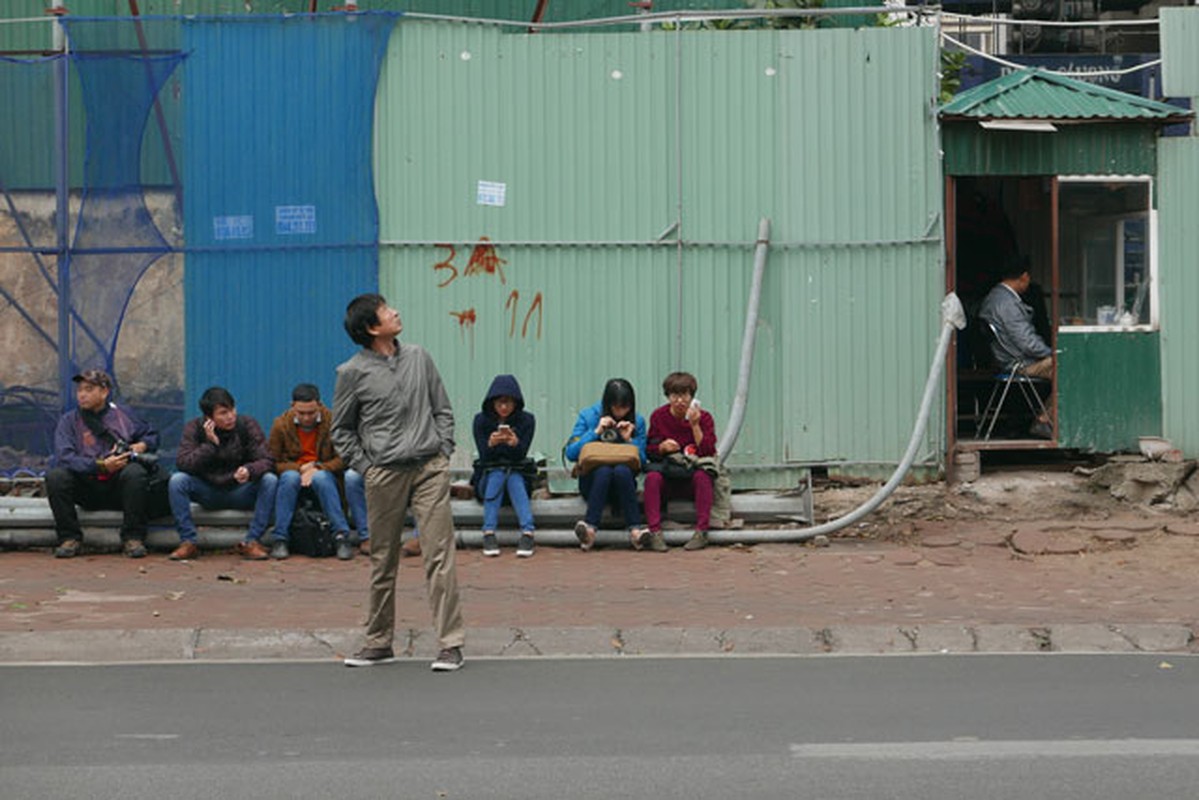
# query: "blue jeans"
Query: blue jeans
495,483
258,495
324,486
611,483
356,499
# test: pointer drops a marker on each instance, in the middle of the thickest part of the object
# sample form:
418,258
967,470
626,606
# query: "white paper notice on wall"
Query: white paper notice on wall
491,193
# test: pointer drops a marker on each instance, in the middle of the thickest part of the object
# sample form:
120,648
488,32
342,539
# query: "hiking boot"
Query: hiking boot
656,542
524,548
279,550
585,534
252,550
698,541
185,552
370,656
448,660
491,547
67,548
134,548
345,548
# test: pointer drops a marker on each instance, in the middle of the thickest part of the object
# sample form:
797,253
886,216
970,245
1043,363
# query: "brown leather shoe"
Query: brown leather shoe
365,547
410,548
185,552
253,550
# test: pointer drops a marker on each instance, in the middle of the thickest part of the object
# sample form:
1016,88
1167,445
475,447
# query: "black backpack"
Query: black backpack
310,533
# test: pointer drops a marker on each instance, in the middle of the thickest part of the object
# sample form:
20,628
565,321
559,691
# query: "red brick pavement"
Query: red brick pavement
971,577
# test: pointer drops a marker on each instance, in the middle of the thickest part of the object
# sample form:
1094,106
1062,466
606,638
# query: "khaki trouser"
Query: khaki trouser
1040,369
388,494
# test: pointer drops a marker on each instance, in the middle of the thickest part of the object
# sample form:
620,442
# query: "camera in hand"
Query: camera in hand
146,459
610,436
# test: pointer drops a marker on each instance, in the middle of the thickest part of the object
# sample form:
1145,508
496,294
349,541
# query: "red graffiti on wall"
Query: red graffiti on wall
484,260
512,304
447,264
466,319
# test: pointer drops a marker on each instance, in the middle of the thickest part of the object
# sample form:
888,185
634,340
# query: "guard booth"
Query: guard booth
1062,174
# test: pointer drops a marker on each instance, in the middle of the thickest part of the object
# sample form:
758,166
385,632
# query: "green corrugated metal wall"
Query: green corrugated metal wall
1180,51
582,131
1178,193
1086,149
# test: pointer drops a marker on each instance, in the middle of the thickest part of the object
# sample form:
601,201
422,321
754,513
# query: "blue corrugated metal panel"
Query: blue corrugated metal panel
279,185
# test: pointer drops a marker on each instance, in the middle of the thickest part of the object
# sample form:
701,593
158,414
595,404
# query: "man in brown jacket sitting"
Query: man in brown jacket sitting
306,462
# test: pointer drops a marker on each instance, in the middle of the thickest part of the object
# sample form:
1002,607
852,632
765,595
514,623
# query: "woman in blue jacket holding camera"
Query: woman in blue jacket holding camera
613,419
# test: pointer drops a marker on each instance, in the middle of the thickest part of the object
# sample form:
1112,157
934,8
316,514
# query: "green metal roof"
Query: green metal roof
1035,94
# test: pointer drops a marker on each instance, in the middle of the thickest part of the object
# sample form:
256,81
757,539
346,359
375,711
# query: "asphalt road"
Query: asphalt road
1023,726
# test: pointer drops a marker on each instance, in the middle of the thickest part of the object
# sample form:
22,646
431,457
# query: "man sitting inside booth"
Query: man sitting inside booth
1016,344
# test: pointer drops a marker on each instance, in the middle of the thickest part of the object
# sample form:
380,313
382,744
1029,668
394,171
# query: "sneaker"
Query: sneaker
345,548
68,548
638,537
370,656
656,542
252,550
698,541
524,548
134,548
448,660
279,550
185,552
491,547
585,534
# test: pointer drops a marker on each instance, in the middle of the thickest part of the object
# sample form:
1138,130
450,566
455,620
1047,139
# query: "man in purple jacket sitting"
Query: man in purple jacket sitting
223,462
104,457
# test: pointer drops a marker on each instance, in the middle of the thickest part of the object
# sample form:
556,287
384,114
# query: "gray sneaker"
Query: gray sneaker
68,548
524,548
370,656
448,660
585,534
279,549
345,548
491,547
698,541
656,541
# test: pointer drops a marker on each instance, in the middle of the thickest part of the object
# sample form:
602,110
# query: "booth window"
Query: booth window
1107,260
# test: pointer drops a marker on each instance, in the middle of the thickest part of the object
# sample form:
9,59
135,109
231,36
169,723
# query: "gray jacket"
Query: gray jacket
391,411
1012,318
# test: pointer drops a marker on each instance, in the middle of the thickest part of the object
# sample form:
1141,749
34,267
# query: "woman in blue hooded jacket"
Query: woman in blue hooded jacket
614,417
503,432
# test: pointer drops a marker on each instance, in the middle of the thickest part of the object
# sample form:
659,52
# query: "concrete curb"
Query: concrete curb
201,644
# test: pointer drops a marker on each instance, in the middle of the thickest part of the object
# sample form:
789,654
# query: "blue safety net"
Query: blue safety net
241,148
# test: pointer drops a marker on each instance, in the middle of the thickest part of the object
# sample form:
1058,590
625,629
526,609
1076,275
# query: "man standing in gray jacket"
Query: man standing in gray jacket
1016,344
392,421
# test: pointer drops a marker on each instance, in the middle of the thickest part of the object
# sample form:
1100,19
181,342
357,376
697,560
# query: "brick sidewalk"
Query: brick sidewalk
1127,572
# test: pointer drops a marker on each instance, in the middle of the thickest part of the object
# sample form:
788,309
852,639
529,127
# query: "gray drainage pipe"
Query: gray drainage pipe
952,317
726,441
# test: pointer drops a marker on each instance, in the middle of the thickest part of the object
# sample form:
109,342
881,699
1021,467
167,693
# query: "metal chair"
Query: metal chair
1004,379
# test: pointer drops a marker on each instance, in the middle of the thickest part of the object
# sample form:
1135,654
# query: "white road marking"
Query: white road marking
974,750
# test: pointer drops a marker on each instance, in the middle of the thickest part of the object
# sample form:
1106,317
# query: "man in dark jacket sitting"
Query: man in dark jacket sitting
224,463
101,451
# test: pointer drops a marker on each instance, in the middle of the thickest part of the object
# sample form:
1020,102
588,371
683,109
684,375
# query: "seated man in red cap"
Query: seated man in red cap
104,455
